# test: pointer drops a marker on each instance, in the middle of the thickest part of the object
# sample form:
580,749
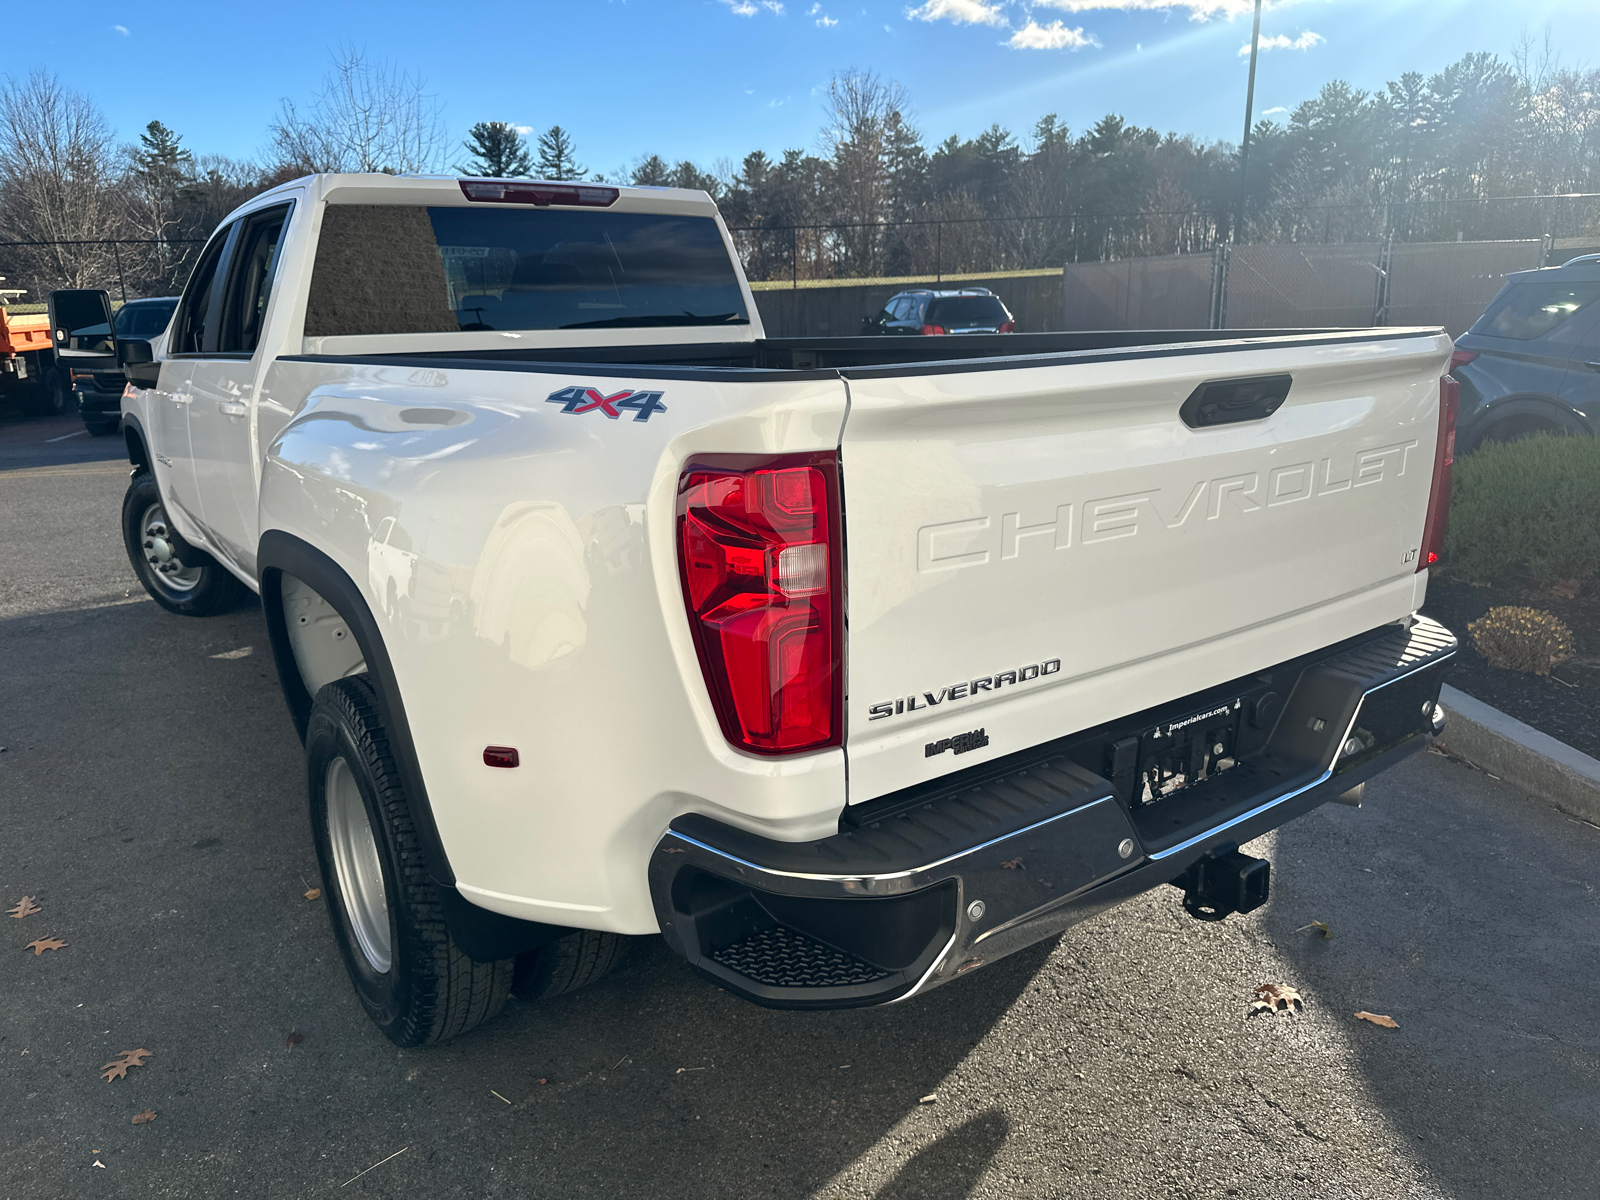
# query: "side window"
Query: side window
194,310
255,262
1530,310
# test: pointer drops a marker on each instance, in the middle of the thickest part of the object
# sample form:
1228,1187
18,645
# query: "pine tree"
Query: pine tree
558,158
652,171
161,160
498,151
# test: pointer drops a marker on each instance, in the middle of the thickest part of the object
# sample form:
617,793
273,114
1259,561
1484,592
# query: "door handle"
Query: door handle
233,408
1593,366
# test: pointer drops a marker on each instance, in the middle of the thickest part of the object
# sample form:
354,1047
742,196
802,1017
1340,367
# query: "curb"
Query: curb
1520,754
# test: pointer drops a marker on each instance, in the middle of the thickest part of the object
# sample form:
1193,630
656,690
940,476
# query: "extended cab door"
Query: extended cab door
222,389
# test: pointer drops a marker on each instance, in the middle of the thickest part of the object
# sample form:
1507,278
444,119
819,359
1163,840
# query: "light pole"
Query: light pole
1249,104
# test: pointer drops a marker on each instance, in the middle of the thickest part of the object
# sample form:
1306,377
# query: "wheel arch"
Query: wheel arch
1533,406
138,445
482,935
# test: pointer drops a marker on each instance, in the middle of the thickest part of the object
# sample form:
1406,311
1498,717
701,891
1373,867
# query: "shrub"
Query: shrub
1521,639
1526,510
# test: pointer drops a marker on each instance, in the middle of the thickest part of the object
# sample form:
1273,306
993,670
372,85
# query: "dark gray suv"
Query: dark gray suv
1531,363
927,312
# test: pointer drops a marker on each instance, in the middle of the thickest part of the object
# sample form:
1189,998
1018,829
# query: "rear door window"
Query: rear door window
255,262
390,269
1530,310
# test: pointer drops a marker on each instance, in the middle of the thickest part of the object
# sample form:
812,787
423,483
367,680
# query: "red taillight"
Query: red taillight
1007,327
1461,357
498,191
1444,457
759,551
932,329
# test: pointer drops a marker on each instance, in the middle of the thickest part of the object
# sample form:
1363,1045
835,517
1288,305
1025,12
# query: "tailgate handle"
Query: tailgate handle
1229,401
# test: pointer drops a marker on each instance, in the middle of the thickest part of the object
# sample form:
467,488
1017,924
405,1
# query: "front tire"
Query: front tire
178,577
411,977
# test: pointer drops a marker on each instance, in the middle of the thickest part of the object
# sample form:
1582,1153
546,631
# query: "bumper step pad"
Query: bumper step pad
786,958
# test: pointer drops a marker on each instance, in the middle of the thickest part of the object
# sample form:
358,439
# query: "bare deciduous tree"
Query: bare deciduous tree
368,116
57,169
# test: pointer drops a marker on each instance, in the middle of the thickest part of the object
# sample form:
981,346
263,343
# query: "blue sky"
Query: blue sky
706,79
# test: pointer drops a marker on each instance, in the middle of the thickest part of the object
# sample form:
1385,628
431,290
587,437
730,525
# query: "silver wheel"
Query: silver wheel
355,861
157,543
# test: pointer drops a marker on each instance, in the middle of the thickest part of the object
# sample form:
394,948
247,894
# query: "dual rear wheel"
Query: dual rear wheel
414,981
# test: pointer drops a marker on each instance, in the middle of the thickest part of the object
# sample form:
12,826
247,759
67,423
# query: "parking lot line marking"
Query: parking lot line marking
65,436
37,472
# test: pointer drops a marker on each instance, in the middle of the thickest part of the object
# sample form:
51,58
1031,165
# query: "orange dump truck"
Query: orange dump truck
27,360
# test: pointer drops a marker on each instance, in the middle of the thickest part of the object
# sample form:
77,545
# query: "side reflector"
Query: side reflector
501,756
499,191
1444,457
759,553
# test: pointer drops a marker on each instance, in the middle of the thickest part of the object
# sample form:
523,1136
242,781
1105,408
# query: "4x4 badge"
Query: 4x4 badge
579,400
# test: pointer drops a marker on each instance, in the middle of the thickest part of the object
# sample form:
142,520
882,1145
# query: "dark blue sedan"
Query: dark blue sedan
1531,363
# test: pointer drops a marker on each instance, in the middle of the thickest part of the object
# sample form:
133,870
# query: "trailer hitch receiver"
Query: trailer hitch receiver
1224,882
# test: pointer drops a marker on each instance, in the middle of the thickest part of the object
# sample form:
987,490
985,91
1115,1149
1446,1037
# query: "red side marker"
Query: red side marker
500,756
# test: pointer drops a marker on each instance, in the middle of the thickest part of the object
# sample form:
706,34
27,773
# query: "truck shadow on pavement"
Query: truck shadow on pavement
153,797
1467,912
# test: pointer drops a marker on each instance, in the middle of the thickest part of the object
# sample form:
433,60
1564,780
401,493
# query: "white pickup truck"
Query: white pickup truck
847,665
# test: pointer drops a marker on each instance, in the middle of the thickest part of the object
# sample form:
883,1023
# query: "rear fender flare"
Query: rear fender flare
138,444
482,935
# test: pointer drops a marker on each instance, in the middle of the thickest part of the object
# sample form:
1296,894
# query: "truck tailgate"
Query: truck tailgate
1035,547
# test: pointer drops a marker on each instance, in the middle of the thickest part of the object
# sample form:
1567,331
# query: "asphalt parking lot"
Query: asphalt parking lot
151,800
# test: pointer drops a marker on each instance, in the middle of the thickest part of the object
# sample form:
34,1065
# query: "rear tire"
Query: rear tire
411,977
178,577
572,961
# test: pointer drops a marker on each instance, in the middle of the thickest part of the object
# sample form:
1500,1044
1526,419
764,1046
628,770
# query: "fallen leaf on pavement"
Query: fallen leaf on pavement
1379,1019
313,893
541,1081
117,1068
145,1117
932,1098
1567,589
1276,998
40,945
99,1164
1322,928
25,908
294,1039
1013,864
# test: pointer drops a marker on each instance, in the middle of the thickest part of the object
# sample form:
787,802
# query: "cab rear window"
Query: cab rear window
1530,310
384,269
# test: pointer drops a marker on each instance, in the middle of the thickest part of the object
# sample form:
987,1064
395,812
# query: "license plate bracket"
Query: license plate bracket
1179,753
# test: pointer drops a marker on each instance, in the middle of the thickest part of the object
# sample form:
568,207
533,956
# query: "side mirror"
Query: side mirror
133,352
80,326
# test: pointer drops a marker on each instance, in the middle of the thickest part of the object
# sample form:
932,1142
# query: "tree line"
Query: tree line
1428,157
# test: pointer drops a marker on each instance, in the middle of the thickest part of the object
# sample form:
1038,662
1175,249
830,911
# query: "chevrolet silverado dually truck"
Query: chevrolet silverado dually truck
846,665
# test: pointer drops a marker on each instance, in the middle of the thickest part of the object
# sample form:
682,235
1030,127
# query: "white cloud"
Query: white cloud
122,29
1283,42
1199,10
1274,111
749,8
524,130
1054,36
813,10
826,22
962,12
